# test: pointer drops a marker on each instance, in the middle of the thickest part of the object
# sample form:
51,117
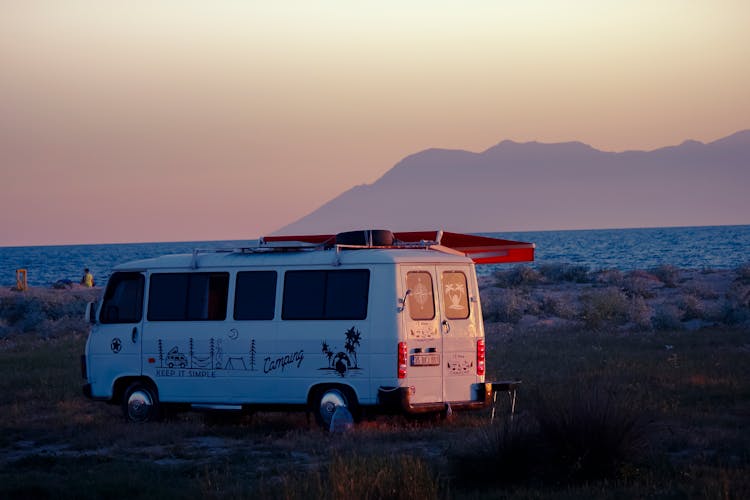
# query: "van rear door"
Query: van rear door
460,331
440,322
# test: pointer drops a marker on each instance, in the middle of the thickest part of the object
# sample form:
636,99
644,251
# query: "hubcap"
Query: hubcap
328,404
139,405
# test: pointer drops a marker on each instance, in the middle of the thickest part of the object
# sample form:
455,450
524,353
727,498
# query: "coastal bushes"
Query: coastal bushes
44,312
553,297
570,297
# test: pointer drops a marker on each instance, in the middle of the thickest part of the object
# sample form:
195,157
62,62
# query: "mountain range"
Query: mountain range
535,186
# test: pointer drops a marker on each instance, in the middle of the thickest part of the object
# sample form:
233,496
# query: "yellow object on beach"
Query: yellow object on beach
21,282
88,280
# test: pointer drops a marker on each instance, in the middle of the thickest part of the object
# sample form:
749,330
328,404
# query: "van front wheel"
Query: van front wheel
140,403
331,398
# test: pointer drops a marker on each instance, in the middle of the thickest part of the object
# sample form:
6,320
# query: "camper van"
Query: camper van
366,320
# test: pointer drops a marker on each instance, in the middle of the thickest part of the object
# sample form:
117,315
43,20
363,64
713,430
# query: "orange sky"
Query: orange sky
186,120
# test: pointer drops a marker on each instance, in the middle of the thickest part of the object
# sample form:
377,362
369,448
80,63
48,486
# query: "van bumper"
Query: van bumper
400,398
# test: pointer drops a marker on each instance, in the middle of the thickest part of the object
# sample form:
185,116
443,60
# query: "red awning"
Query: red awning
481,249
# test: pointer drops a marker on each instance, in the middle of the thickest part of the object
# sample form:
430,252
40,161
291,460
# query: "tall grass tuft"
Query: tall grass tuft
572,435
507,453
591,432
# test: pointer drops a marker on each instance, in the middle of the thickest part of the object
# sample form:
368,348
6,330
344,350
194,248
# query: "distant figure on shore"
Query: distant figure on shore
88,278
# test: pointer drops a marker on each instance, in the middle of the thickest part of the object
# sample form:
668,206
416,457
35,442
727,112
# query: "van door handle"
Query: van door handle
446,327
134,335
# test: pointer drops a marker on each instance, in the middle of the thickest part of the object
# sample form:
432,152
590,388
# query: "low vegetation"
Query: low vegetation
566,297
648,397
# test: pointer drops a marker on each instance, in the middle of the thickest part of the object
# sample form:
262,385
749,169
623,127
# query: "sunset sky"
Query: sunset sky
186,120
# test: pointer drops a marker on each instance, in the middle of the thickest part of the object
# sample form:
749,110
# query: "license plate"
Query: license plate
425,359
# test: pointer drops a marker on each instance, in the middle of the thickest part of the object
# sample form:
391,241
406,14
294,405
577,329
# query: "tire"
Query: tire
326,401
140,403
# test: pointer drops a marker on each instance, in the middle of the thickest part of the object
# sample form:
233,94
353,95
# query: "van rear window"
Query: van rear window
255,295
188,297
340,294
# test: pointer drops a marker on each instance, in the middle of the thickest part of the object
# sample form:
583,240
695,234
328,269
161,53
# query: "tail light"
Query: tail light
403,355
480,357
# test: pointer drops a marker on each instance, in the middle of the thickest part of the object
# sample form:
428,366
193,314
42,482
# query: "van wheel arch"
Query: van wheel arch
322,400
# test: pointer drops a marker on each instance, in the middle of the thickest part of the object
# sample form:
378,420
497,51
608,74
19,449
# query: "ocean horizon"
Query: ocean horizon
699,247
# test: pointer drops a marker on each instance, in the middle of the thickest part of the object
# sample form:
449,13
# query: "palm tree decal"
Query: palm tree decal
328,352
341,362
353,337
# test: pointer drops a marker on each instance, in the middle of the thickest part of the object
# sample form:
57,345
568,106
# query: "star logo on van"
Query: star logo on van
116,345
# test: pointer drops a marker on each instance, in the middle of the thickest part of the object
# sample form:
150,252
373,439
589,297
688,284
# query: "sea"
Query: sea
706,247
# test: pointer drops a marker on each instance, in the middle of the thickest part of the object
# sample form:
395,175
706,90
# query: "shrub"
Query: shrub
692,308
737,306
639,313
702,291
609,277
637,286
667,317
561,306
518,276
605,306
45,312
558,272
743,272
504,305
667,274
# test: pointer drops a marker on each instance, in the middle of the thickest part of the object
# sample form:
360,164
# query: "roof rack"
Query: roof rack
481,249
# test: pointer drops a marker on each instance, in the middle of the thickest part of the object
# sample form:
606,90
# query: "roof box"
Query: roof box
366,238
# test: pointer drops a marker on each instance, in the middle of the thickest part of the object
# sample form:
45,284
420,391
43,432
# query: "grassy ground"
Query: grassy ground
677,403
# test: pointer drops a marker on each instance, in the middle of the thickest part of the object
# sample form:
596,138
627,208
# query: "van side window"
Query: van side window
421,300
255,295
455,295
340,294
123,299
188,297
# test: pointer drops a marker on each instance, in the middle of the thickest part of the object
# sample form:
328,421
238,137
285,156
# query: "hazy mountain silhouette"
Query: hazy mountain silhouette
527,186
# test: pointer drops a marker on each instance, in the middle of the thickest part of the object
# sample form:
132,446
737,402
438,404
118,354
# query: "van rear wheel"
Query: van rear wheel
328,399
140,403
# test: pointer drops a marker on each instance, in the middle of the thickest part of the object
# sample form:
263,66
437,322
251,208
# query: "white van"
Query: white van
365,320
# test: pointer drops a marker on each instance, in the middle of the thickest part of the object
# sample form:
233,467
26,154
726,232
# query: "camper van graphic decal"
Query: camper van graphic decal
176,363
459,364
342,362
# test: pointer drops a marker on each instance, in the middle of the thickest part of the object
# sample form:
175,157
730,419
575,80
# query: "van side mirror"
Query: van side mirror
91,312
